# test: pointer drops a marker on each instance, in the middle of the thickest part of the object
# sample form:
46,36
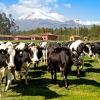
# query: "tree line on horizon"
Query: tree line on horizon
91,33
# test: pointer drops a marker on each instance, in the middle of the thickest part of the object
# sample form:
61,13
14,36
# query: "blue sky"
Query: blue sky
9,2
85,10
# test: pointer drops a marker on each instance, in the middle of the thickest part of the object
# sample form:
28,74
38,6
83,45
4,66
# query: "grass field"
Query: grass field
86,87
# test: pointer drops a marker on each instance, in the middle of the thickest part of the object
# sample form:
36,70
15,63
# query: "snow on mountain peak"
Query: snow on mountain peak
43,15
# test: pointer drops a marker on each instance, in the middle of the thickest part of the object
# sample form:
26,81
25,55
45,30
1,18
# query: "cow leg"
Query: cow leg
13,72
65,79
9,79
82,65
36,64
55,76
98,57
2,80
52,74
26,74
78,71
94,56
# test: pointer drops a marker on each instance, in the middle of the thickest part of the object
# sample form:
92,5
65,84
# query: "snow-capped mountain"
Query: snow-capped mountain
42,19
32,24
43,15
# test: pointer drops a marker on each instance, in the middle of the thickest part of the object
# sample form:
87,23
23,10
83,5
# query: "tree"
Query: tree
7,24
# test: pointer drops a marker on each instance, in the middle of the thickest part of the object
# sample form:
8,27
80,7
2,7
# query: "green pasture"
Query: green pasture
86,87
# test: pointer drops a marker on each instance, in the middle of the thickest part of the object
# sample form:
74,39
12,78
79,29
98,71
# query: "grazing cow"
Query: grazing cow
60,59
95,49
81,47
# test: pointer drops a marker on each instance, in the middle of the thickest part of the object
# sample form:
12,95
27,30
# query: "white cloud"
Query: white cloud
27,7
39,14
39,9
89,22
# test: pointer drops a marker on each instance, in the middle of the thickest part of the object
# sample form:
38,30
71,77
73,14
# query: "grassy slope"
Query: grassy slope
41,87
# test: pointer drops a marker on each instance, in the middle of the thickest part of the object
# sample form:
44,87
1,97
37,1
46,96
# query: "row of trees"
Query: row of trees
92,33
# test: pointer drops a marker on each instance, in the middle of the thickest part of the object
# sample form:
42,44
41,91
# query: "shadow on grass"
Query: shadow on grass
83,81
90,60
38,72
39,87
36,87
93,70
87,64
80,81
74,73
43,68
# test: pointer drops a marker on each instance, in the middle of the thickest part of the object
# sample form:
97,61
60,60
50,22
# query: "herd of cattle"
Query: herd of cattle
14,57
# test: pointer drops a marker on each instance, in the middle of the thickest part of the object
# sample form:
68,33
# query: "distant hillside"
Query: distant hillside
34,23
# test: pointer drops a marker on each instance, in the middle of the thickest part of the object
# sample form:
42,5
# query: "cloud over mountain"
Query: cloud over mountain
40,9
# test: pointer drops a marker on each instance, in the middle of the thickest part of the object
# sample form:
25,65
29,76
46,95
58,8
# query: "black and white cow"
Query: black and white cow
7,62
22,60
25,56
15,58
43,45
36,54
3,60
95,49
61,58
82,49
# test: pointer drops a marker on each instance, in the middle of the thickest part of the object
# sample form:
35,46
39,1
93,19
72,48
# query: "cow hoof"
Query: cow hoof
66,86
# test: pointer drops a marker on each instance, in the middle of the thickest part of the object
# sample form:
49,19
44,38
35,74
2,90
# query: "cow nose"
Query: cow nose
11,67
36,61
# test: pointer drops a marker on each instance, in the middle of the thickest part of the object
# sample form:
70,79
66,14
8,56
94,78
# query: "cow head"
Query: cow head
34,54
11,53
76,58
3,55
88,50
